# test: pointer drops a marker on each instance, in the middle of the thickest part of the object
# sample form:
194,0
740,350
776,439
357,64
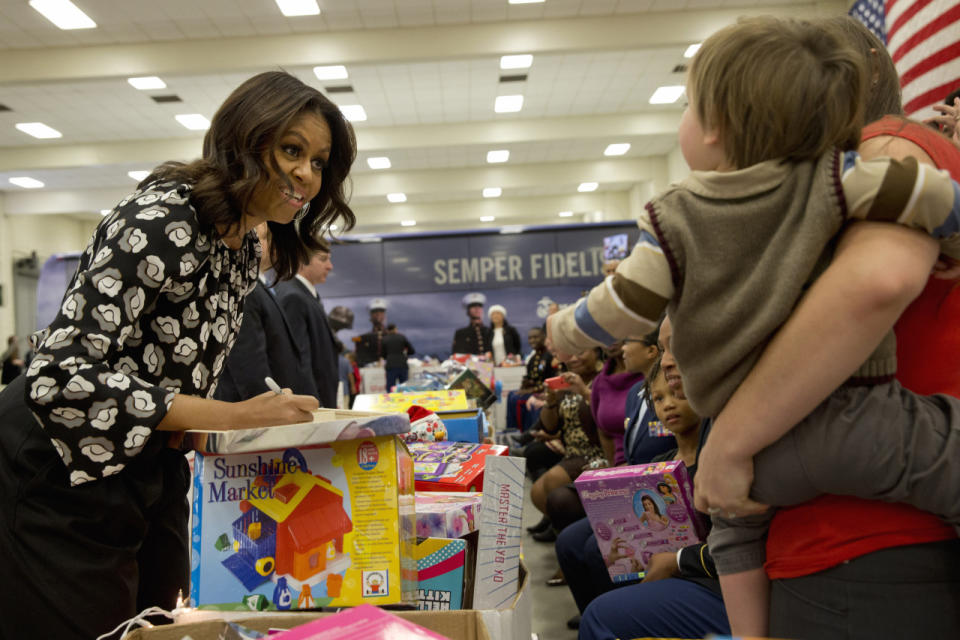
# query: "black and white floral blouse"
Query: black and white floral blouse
153,309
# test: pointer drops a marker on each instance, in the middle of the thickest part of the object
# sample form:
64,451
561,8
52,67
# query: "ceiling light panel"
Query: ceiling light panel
586,187
508,104
498,155
378,162
63,13
565,214
291,8
354,112
26,183
396,197
146,83
667,94
616,149
487,218
138,175
38,130
692,50
492,192
522,61
408,223
334,72
193,121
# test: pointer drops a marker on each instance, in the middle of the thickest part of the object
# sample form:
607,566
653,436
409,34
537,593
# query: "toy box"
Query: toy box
451,466
327,425
463,426
440,570
474,388
498,553
367,622
639,510
442,514
440,400
296,528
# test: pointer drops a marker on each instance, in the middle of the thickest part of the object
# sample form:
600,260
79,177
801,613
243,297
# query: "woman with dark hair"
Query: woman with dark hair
93,526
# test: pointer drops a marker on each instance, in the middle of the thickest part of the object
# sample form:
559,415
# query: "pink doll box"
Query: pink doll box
637,511
366,621
443,514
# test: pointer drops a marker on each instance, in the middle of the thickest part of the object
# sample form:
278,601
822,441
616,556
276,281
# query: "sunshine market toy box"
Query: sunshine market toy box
637,511
305,525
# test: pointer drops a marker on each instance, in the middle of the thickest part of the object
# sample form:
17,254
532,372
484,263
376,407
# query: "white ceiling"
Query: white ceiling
426,71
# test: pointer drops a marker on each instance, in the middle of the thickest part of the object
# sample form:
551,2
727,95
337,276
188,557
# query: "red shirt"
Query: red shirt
830,530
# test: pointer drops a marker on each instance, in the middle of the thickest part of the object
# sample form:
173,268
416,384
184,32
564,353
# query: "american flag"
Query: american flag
923,38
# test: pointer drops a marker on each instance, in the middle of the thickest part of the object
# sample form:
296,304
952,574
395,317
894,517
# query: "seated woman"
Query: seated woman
568,430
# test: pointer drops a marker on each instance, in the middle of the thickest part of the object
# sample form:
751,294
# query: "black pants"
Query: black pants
77,561
903,592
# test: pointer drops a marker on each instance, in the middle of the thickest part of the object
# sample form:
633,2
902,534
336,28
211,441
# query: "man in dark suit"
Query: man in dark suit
265,345
475,338
308,322
396,350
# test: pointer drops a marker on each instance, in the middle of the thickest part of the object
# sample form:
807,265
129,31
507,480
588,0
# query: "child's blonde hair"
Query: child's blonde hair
777,88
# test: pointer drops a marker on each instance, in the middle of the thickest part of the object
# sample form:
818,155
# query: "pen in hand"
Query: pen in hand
273,386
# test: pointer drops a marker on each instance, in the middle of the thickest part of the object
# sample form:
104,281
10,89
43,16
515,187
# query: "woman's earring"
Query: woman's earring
302,213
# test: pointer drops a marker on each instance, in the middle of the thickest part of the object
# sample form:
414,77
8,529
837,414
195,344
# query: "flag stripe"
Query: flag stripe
927,98
932,79
930,62
911,11
940,40
947,18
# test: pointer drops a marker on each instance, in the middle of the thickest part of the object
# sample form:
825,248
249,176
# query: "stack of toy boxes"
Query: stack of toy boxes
451,466
637,511
447,548
315,523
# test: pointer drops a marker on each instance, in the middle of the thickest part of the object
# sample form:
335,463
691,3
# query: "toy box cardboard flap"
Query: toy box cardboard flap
456,625
327,425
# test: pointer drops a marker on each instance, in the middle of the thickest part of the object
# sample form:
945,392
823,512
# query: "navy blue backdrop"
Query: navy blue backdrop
423,277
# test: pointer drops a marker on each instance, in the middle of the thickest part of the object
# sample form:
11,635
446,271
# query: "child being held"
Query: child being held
773,119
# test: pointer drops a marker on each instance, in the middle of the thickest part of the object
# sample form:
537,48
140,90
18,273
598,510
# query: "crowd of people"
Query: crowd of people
756,308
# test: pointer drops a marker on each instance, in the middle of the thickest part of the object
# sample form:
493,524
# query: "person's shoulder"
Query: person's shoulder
156,210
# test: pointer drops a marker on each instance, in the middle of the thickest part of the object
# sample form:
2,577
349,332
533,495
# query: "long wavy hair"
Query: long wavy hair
239,146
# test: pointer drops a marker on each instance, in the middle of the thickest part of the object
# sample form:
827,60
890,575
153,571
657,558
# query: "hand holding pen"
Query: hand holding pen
276,406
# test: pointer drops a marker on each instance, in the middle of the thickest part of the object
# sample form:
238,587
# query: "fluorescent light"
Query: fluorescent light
380,162
298,7
565,214
508,104
26,183
333,72
499,155
667,95
587,186
692,50
397,197
147,82
105,212
492,192
616,149
408,223
193,121
38,130
512,228
138,175
63,14
487,218
522,61
353,112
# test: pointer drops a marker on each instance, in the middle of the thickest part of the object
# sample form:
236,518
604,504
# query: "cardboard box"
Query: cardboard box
498,555
441,400
639,510
323,525
440,572
451,466
443,514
